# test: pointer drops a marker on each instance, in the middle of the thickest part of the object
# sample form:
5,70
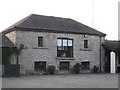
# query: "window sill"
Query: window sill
40,48
86,49
64,58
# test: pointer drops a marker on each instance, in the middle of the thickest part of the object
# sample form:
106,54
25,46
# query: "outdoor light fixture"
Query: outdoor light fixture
85,35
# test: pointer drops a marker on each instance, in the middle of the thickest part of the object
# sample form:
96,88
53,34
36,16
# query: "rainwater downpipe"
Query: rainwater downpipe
100,53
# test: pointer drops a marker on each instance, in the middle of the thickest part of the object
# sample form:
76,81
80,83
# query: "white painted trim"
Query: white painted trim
112,63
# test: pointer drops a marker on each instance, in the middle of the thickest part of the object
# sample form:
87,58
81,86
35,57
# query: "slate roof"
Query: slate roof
5,42
42,23
112,45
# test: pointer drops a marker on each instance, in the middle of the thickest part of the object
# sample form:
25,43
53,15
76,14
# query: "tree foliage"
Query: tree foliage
18,51
77,65
7,52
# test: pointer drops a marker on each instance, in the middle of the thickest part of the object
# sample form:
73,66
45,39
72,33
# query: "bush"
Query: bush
76,68
77,65
51,69
95,69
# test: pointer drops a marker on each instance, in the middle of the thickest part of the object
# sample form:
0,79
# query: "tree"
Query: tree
18,50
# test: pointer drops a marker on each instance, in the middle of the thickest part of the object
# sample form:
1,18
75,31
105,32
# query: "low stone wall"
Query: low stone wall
11,70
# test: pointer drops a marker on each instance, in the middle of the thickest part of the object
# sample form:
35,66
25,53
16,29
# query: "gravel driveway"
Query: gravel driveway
63,81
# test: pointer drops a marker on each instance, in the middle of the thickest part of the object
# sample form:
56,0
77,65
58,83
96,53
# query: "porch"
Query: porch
112,56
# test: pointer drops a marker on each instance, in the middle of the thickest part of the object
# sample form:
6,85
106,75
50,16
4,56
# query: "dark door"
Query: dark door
107,61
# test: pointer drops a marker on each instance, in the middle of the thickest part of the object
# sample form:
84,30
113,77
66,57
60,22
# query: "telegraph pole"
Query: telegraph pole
92,12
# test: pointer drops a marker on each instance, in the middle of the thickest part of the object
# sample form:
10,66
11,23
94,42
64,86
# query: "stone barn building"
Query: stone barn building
61,42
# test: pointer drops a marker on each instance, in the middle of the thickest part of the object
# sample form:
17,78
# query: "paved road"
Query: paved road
63,81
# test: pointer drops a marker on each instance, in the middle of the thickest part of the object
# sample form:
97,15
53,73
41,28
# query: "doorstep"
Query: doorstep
64,72
85,71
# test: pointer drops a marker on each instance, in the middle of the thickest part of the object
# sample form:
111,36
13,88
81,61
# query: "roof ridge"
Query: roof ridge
51,16
23,20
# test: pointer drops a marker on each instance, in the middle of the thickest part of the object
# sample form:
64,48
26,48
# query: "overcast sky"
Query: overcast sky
105,17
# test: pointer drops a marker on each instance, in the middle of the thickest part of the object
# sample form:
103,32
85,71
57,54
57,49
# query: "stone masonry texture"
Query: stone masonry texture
48,52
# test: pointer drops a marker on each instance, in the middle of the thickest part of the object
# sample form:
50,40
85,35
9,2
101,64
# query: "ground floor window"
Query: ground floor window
40,65
64,65
85,65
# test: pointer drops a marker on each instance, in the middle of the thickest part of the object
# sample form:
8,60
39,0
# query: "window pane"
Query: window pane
85,43
64,42
69,42
70,51
64,47
59,42
40,41
60,48
61,53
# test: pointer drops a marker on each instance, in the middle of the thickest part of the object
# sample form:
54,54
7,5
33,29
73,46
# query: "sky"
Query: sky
101,15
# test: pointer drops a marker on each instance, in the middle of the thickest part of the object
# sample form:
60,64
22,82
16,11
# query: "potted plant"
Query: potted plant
95,69
76,68
51,69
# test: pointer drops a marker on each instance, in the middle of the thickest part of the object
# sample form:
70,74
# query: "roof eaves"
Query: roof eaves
12,27
9,30
55,31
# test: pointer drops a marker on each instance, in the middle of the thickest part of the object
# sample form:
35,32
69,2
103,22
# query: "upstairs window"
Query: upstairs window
64,47
40,41
85,43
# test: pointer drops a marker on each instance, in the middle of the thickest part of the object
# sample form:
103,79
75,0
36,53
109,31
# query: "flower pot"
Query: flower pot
51,69
77,70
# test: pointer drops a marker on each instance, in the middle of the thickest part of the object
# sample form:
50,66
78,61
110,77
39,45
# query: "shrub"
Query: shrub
95,69
51,69
77,65
76,68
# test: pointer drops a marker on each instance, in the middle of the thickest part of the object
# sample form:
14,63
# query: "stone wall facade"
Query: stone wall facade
48,52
